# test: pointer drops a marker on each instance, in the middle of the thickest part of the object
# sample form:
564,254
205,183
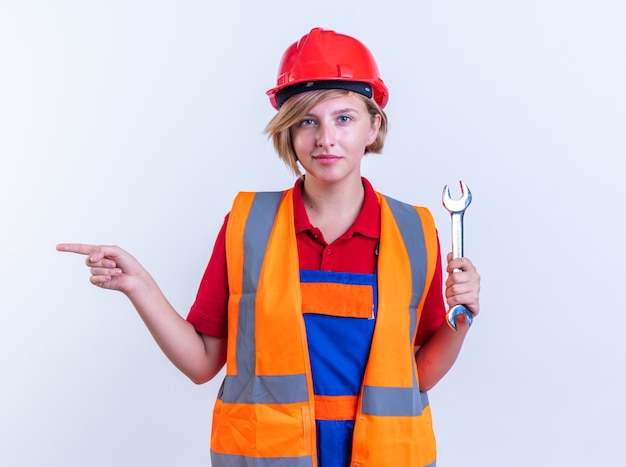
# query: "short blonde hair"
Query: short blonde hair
296,107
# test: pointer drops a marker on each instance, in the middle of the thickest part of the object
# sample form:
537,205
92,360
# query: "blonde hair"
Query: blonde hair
296,107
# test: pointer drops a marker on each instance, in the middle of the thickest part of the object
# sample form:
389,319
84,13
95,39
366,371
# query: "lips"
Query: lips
326,159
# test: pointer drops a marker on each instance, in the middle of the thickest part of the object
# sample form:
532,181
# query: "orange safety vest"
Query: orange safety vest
265,411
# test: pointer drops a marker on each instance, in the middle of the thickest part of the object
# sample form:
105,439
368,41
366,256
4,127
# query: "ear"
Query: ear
374,127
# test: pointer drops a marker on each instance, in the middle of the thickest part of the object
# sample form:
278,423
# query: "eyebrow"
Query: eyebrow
339,111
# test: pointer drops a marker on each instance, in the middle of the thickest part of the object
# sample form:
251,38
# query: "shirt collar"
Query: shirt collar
367,222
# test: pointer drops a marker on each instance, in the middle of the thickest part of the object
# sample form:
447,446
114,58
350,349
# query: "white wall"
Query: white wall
135,122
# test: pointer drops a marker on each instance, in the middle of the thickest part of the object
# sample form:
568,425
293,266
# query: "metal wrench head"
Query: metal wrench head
455,312
457,205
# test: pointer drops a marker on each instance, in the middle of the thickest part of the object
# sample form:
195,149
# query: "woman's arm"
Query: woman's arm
438,354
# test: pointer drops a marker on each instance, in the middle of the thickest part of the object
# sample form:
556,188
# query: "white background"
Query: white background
136,122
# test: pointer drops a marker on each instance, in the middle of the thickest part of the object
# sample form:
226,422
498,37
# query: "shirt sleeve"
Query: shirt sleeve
209,312
434,311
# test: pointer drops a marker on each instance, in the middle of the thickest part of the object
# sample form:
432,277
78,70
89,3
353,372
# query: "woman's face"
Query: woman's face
331,139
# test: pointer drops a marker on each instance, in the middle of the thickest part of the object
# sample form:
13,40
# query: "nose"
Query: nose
325,135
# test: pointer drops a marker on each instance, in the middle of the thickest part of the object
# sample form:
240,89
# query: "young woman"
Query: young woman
324,300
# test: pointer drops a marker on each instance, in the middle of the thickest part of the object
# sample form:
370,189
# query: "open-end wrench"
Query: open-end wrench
457,208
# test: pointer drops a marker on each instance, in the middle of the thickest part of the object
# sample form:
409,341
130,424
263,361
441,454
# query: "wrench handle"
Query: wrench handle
457,234
457,252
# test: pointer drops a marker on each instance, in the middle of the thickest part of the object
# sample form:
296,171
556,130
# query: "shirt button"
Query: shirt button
328,251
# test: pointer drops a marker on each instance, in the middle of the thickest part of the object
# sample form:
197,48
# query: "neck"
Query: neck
321,197
333,209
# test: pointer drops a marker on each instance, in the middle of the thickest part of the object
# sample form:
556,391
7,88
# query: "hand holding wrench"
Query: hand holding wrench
457,208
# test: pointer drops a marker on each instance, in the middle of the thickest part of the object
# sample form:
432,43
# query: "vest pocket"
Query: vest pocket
349,300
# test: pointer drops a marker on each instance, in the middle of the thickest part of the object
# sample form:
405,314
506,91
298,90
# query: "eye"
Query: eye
344,119
307,122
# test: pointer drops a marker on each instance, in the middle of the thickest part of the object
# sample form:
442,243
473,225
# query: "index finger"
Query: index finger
80,248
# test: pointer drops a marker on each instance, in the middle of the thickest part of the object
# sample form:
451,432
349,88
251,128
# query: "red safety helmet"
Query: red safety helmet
323,59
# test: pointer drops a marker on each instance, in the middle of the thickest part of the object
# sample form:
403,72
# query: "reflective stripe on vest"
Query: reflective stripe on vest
264,414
